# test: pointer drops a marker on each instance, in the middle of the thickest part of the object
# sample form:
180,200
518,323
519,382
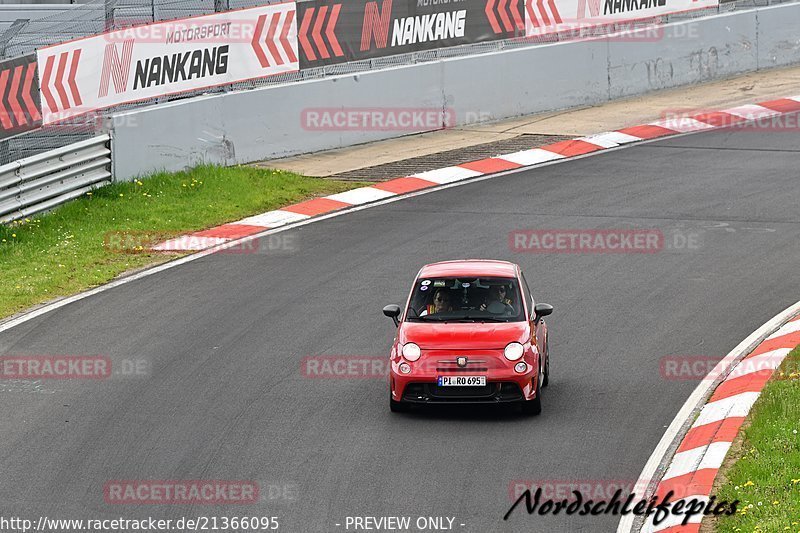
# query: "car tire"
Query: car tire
546,379
397,407
534,407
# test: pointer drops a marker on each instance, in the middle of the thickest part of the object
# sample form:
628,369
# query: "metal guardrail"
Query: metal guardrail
43,181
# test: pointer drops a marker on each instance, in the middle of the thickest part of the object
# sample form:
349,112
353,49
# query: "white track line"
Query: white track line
616,137
791,327
676,520
273,219
683,124
710,456
359,196
766,361
447,174
533,156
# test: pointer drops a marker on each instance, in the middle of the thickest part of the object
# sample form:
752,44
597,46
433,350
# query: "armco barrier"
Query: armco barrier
267,122
43,181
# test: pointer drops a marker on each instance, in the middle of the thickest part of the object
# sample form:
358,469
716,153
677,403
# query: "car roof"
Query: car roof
470,267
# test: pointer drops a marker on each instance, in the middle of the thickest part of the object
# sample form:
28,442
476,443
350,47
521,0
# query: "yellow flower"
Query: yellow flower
748,484
776,502
795,481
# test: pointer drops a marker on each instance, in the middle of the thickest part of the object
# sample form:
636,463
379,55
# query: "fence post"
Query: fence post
110,6
10,33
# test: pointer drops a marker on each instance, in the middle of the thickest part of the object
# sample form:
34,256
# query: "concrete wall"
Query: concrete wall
266,122
689,52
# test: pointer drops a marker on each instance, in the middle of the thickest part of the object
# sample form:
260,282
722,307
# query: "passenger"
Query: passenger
441,303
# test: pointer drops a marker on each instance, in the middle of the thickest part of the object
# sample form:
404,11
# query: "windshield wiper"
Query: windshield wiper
481,318
430,317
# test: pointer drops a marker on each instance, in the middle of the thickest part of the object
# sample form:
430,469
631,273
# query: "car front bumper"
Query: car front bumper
502,385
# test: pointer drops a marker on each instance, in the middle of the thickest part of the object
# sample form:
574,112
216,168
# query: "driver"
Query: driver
497,296
441,303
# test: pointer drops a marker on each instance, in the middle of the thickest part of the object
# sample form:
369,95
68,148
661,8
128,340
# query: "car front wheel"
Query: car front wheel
397,407
534,407
546,379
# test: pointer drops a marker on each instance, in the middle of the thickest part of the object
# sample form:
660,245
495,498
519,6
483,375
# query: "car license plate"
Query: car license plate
462,381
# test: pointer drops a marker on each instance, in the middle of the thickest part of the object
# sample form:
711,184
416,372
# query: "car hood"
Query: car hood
477,336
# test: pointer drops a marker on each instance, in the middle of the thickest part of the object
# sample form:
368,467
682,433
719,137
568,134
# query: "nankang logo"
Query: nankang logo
115,68
425,28
611,7
181,66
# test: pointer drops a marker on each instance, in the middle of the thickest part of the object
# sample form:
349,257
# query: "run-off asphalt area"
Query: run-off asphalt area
225,336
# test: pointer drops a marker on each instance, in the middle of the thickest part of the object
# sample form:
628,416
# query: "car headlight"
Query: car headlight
411,351
514,351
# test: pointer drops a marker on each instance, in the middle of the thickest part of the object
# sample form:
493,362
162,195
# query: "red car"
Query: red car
471,333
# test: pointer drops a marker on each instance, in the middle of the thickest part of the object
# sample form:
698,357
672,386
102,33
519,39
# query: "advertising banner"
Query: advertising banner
164,58
335,31
19,96
551,16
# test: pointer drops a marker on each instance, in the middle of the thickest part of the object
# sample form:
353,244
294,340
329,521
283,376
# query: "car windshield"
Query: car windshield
465,299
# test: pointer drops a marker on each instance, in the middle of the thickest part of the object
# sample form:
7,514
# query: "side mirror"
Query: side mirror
541,310
393,311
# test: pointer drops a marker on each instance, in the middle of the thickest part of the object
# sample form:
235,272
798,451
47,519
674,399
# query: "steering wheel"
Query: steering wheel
499,308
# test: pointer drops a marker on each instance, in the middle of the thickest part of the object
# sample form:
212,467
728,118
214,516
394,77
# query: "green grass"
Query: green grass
766,476
63,252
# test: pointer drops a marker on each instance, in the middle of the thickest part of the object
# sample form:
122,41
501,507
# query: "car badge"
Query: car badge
461,361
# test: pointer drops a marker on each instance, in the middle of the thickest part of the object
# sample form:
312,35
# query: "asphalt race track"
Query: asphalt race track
224,337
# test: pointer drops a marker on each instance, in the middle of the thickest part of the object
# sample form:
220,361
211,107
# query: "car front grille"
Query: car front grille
491,393
470,366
